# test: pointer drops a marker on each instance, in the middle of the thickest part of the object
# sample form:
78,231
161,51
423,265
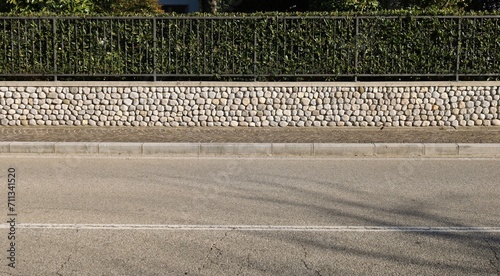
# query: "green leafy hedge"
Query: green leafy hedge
407,45
265,47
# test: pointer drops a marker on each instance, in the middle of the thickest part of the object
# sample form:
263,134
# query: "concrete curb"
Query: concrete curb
256,149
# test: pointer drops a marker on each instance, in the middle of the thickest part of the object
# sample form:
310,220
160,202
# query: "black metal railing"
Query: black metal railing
257,48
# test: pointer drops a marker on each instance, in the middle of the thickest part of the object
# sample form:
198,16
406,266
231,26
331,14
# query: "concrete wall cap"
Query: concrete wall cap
242,84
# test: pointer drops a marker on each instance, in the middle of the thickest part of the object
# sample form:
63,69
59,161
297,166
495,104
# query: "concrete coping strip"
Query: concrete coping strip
258,149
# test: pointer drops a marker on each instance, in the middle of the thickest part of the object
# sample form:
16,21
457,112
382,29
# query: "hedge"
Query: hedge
257,47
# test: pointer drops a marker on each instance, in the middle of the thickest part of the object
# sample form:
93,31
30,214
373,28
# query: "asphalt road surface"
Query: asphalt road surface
122,215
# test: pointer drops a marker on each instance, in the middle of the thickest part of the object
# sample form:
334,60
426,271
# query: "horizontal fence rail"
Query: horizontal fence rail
258,48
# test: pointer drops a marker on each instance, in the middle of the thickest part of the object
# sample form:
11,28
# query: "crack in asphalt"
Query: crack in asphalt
58,272
62,265
496,264
316,271
216,249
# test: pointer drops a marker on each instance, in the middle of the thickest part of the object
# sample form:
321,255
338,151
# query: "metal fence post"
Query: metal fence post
356,50
155,49
255,51
459,43
54,46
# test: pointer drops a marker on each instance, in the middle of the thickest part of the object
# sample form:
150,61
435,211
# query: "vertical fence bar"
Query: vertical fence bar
112,69
155,49
162,61
10,56
172,58
25,42
233,30
14,61
76,47
169,58
54,46
19,43
90,45
184,51
255,50
133,46
102,40
285,22
38,46
226,37
495,48
459,43
201,45
356,50
4,44
125,22
206,68
190,63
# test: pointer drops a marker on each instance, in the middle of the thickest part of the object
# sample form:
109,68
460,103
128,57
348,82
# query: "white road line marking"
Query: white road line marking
252,228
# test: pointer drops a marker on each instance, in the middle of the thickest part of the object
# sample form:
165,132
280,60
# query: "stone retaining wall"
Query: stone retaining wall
250,104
